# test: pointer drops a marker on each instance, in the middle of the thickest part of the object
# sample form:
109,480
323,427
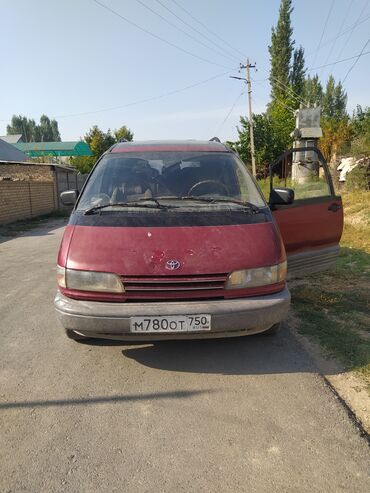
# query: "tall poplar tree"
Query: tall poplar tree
297,74
281,50
313,92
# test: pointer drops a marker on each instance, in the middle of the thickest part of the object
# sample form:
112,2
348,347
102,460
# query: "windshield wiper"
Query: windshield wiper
249,205
136,203
213,200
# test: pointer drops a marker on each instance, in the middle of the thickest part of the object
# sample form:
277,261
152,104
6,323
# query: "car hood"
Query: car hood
146,251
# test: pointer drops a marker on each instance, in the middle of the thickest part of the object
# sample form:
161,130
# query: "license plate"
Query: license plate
183,323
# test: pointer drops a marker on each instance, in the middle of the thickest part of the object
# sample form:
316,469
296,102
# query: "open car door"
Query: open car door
311,226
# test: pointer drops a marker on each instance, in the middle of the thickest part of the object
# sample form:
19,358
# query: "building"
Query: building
12,139
9,153
54,149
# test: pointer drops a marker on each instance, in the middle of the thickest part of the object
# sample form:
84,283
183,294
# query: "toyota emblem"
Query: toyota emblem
173,264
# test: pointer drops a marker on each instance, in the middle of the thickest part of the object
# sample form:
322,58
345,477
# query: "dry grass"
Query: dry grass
333,307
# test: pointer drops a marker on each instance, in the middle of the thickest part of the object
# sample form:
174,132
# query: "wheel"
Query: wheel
71,334
272,330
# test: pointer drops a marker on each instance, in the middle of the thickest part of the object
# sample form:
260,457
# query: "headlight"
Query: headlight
61,276
82,280
250,278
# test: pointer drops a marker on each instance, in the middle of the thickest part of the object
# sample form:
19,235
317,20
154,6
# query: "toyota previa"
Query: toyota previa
174,240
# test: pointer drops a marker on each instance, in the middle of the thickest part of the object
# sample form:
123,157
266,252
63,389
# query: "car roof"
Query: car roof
169,145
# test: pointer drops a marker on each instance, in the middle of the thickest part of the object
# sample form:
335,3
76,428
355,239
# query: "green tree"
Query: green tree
83,164
285,78
55,131
99,142
272,129
280,50
297,74
337,132
334,100
46,131
123,133
22,125
313,92
262,141
360,124
282,124
271,137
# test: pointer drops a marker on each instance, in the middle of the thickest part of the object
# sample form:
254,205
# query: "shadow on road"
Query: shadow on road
32,227
252,355
182,394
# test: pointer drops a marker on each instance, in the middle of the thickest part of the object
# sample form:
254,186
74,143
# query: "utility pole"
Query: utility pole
248,66
251,134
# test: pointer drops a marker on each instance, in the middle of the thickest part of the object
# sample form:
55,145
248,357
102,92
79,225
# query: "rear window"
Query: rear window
136,176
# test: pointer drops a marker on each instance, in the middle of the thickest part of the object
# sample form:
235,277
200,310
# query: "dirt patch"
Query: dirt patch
351,388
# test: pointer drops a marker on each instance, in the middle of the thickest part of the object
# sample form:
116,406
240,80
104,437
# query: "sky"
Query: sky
84,65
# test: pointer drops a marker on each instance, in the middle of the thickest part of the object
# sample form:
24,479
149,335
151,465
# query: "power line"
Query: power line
229,113
192,27
312,52
207,29
357,59
146,100
285,86
339,30
286,106
339,61
182,30
351,31
114,12
134,103
323,31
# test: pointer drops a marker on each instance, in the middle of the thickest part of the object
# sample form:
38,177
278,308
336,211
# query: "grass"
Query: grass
334,307
315,187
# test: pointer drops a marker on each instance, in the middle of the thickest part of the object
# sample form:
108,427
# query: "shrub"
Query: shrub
359,177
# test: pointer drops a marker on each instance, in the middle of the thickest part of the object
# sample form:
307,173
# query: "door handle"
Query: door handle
334,207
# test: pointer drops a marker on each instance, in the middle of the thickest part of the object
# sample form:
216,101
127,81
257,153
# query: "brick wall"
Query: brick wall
28,172
23,200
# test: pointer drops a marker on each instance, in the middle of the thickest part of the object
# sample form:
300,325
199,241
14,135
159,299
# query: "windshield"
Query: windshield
134,177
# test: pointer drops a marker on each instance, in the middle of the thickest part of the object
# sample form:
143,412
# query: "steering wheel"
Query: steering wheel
100,199
218,184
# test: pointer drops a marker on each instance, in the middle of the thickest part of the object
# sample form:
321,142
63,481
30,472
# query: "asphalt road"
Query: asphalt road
248,414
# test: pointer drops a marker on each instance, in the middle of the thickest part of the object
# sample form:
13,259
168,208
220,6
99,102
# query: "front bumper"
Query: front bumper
228,317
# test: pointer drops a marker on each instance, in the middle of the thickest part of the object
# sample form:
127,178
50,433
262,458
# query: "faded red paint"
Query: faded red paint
168,148
64,246
310,226
144,251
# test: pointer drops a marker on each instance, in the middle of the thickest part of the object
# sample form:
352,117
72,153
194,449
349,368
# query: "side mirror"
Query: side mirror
281,196
69,197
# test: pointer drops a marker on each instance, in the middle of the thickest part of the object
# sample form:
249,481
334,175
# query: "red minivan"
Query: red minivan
174,240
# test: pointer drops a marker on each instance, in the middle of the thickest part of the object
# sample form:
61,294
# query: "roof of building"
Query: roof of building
34,149
9,153
170,145
12,139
